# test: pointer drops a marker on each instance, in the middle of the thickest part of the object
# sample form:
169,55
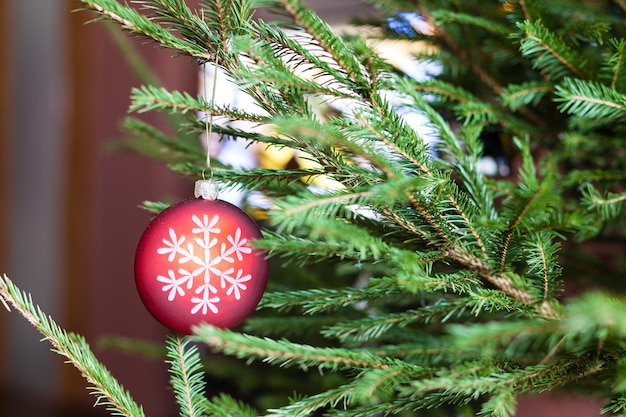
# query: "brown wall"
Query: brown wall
5,158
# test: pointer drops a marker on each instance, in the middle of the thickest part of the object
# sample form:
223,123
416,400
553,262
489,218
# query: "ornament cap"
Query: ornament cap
205,189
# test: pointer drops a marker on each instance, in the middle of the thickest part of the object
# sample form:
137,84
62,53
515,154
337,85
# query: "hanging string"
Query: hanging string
209,120
205,188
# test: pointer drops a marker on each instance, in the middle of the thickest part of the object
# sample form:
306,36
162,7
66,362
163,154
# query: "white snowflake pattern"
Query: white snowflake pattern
237,284
202,264
172,284
172,247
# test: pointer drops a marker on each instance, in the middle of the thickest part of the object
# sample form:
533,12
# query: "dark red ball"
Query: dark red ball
195,264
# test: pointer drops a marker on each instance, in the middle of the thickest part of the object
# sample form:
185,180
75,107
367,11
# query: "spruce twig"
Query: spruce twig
134,22
187,376
102,384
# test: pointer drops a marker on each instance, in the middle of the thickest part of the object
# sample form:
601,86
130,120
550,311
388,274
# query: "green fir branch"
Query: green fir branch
307,208
502,403
414,92
285,353
330,42
407,147
616,61
317,300
530,196
583,176
290,84
306,251
375,383
590,100
186,376
297,327
272,181
514,224
443,90
131,20
341,397
108,391
462,282
372,328
300,54
479,379
444,17
542,260
549,52
608,205
146,139
584,325
150,98
526,94
178,18
225,405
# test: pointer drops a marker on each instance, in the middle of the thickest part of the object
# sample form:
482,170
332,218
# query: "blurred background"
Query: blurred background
69,221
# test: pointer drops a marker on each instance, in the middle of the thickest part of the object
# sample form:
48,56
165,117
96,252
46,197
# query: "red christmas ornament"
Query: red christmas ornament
194,264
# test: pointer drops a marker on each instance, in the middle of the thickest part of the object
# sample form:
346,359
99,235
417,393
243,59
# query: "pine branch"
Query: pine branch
148,140
186,376
480,378
608,206
501,404
307,251
581,331
330,42
136,23
330,398
290,83
102,384
402,140
618,404
590,99
369,384
462,54
149,98
407,283
372,328
176,16
226,406
317,300
414,92
525,94
443,17
298,327
415,156
445,309
285,353
442,89
519,217
501,280
530,196
302,56
549,51
542,255
439,227
617,60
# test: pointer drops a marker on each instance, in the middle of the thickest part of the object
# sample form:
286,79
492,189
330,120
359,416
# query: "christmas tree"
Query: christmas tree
454,264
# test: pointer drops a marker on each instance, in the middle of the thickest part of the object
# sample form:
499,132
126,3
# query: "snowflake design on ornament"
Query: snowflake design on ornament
199,262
